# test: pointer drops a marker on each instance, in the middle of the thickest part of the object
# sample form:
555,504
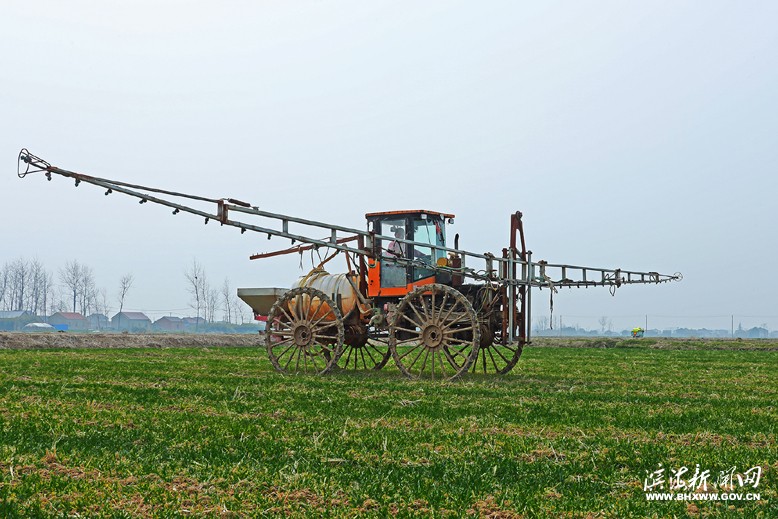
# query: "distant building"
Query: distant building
130,322
99,322
192,324
758,333
169,324
14,320
72,321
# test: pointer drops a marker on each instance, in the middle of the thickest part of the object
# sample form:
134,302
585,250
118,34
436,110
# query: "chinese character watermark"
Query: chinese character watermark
681,483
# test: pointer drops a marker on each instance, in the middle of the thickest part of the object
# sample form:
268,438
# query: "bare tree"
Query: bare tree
37,284
70,277
101,305
88,289
226,296
40,287
604,323
238,310
7,295
56,301
19,277
196,283
60,306
4,282
212,303
25,285
125,284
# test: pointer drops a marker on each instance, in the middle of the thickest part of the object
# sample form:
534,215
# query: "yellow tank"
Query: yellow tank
341,288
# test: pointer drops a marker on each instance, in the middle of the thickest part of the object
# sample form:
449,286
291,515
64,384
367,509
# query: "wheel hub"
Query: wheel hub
303,335
432,336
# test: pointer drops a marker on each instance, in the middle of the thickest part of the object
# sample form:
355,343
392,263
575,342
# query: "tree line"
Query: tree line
206,300
27,285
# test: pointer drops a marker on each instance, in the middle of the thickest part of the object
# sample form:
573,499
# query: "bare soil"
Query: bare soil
659,343
47,340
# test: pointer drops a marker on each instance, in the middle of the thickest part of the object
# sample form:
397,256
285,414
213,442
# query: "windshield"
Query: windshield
428,230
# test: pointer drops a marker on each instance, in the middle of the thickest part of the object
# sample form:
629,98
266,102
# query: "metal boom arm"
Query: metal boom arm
495,269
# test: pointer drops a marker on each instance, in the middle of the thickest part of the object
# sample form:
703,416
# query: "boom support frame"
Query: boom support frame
515,269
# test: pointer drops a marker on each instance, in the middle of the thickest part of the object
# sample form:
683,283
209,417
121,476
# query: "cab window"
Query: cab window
392,273
427,230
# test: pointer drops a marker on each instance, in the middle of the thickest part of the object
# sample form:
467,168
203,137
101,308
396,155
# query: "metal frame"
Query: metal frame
515,270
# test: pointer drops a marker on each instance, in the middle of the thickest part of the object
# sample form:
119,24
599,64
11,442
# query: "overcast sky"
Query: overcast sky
639,135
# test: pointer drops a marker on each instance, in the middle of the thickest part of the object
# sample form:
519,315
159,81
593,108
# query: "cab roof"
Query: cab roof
407,212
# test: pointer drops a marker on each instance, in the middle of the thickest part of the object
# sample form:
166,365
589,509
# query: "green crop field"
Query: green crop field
571,432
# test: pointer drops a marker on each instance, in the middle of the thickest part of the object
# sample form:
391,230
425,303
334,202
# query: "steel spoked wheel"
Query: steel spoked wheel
497,358
304,332
434,333
371,352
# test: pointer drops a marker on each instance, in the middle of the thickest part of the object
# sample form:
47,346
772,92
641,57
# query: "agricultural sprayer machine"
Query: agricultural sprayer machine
438,311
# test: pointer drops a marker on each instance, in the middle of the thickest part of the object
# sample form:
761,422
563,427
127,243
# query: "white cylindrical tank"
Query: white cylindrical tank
341,288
